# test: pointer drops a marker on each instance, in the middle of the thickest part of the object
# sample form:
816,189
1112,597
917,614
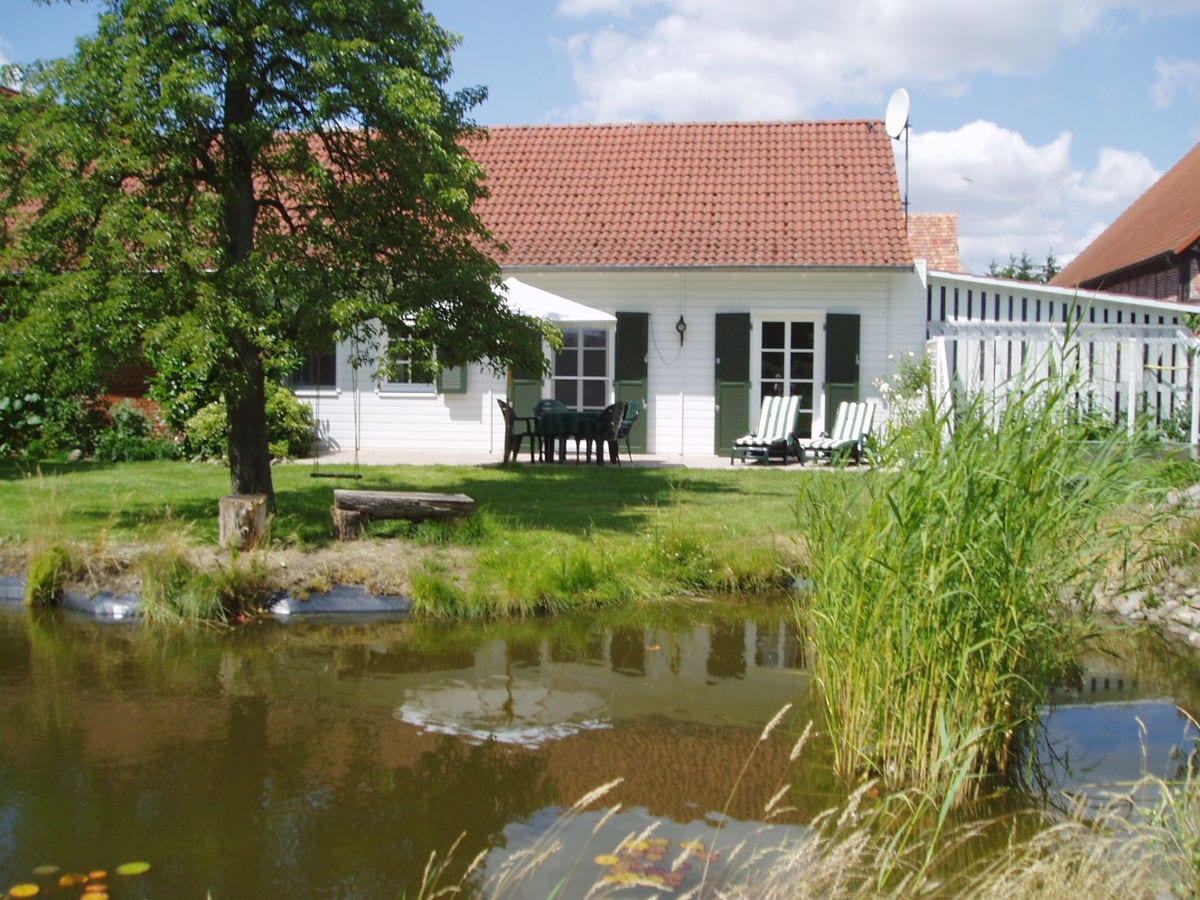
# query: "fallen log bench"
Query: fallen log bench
353,509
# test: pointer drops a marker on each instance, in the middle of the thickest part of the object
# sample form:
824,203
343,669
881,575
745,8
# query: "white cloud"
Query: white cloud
1013,197
579,8
1174,76
792,59
720,59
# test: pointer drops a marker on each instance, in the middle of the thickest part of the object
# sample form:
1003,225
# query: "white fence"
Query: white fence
1126,374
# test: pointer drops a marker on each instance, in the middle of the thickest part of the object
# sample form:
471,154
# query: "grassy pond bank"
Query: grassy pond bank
949,605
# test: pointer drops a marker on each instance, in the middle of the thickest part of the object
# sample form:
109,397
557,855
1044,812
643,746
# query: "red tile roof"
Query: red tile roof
934,238
1165,219
696,194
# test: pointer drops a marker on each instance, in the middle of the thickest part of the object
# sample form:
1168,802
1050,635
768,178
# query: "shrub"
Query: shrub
131,437
290,423
207,432
21,417
290,427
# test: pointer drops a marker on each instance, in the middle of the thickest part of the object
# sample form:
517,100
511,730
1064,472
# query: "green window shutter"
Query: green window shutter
631,371
732,367
633,344
452,380
733,347
842,332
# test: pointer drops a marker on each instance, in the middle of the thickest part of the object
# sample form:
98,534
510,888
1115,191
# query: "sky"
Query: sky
1036,121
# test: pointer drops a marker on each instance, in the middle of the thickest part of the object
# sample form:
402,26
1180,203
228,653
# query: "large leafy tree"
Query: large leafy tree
236,183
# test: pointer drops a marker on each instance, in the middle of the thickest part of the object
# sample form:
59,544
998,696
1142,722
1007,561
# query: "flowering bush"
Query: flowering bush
908,393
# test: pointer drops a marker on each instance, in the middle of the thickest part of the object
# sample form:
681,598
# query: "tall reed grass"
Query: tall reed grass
938,610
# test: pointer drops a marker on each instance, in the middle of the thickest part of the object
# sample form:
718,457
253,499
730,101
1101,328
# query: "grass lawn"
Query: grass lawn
559,536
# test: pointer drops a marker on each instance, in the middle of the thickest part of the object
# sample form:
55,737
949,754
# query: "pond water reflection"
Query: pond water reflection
333,757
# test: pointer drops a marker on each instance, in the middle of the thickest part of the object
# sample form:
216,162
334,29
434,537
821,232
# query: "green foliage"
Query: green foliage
33,426
131,437
20,416
207,432
341,202
937,611
181,389
49,569
290,427
1025,269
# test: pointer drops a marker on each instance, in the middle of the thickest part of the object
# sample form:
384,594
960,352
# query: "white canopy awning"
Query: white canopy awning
531,301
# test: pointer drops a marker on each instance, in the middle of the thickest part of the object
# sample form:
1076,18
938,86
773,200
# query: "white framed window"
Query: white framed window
788,357
581,368
408,374
413,375
407,377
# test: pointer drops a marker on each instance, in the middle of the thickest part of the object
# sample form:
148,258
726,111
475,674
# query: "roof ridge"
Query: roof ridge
615,126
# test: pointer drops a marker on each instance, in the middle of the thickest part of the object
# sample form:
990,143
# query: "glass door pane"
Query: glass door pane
787,366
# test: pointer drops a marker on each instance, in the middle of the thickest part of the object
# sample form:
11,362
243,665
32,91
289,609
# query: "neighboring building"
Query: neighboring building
1153,249
934,239
717,264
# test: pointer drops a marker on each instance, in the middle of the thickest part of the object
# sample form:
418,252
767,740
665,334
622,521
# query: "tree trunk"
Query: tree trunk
249,452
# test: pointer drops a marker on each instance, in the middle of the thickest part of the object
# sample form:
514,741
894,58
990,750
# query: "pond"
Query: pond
331,757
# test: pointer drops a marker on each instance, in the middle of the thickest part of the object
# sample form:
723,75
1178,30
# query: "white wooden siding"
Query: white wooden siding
680,417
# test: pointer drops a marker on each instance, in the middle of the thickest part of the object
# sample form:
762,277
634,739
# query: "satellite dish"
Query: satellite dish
896,119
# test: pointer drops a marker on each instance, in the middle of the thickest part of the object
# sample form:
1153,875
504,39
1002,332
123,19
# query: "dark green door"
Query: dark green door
732,365
630,370
841,362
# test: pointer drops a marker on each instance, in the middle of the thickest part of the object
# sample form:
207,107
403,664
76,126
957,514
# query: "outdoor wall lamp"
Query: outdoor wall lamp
681,327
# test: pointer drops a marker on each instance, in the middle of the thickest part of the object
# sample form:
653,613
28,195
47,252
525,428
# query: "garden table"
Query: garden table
555,426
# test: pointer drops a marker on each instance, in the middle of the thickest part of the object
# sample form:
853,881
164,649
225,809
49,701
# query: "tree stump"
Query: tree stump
347,523
243,521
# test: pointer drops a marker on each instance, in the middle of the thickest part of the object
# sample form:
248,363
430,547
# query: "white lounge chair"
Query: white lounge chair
851,427
775,434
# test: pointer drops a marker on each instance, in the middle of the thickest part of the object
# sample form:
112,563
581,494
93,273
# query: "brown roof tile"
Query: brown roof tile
1165,219
695,194
934,238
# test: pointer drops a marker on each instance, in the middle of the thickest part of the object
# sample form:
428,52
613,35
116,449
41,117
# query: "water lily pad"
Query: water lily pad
95,889
133,868
48,869
71,879
24,890
97,874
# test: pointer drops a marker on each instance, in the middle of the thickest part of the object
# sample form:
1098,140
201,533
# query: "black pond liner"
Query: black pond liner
341,599
349,600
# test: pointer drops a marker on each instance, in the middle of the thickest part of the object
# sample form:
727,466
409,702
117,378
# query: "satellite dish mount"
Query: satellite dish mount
896,123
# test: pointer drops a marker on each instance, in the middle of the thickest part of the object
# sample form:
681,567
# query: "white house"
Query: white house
716,264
